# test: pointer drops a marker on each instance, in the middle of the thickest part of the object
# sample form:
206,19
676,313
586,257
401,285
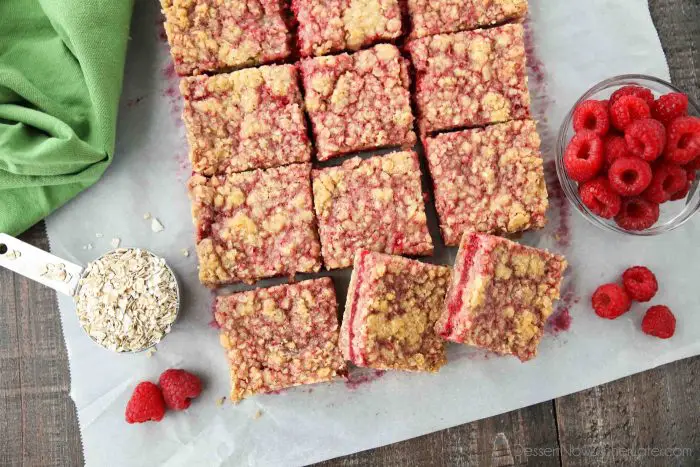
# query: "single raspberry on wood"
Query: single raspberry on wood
600,198
659,322
669,107
637,91
610,301
636,213
146,404
592,115
626,110
683,140
646,138
667,180
640,283
179,388
614,147
583,157
629,176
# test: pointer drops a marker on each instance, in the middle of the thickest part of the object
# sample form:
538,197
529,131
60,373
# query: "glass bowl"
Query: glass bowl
673,214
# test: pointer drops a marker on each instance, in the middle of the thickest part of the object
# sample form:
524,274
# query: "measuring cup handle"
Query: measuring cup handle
39,265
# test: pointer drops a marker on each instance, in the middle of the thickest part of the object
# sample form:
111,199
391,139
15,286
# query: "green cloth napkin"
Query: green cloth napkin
61,70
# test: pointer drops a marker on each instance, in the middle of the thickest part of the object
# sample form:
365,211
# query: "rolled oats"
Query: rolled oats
127,300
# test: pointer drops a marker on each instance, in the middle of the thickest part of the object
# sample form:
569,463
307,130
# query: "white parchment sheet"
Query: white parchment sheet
576,43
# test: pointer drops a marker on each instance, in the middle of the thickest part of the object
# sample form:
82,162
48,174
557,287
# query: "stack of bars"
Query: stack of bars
253,73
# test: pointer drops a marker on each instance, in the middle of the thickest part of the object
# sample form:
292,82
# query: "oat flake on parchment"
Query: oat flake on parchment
127,300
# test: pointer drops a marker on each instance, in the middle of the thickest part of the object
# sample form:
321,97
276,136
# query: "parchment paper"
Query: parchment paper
575,44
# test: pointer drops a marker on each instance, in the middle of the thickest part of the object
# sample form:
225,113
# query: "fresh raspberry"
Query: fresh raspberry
646,138
592,115
643,93
669,107
692,166
583,157
683,143
628,109
682,194
668,179
610,301
146,404
636,213
614,147
659,322
179,387
629,176
600,197
640,283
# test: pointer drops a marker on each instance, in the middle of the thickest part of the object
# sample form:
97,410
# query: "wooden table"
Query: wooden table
611,423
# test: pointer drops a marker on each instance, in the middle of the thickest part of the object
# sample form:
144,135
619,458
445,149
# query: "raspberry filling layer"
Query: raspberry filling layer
353,310
455,305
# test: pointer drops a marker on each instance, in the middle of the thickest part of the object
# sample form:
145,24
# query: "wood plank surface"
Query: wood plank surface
609,424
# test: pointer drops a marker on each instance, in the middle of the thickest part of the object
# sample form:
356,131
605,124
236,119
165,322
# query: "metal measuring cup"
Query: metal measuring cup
63,276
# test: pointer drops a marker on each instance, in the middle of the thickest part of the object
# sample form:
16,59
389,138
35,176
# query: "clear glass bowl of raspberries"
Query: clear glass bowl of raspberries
628,154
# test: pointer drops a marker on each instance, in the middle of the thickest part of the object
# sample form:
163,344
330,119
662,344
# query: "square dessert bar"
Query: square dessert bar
430,17
358,101
220,35
253,225
280,337
470,78
248,119
500,296
327,26
374,204
392,306
488,180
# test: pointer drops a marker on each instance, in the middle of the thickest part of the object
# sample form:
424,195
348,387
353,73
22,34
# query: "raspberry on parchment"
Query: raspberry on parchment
488,180
471,78
253,225
211,35
375,204
358,101
390,314
280,337
501,295
248,119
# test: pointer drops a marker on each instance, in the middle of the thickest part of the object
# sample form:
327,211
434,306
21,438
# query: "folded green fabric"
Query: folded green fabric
61,70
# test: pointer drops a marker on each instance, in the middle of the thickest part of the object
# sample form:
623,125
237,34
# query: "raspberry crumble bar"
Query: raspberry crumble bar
253,225
392,306
488,180
280,337
248,119
501,295
375,204
327,26
430,17
220,35
359,101
470,78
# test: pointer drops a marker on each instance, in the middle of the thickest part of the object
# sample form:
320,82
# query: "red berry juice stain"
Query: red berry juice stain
160,29
559,204
541,105
169,72
172,92
561,319
132,102
356,380
184,168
